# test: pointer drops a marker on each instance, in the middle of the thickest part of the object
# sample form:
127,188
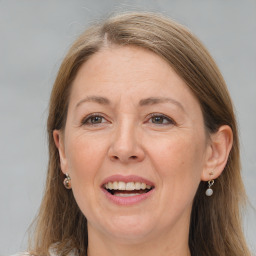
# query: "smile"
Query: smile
127,189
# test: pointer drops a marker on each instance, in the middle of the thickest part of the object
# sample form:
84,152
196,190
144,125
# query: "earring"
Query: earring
67,182
209,191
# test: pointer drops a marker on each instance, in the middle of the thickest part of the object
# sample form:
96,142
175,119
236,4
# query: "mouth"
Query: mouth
127,189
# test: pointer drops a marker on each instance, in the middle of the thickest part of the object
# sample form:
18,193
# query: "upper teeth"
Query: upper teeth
120,185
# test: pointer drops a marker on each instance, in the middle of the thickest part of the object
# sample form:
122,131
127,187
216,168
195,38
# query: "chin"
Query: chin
127,229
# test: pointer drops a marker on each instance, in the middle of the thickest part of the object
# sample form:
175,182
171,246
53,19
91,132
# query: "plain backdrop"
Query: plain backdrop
34,37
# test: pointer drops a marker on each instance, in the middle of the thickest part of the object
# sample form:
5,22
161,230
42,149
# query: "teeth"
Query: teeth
115,185
120,185
130,186
126,195
137,185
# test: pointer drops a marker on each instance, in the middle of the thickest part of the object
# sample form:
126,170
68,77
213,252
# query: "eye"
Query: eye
93,119
160,119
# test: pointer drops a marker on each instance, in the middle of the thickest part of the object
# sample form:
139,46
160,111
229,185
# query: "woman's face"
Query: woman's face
134,145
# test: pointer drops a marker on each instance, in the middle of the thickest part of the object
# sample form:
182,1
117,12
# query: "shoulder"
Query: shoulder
51,253
22,254
28,254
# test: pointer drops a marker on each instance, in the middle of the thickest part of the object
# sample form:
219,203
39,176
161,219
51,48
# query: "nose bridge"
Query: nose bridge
125,145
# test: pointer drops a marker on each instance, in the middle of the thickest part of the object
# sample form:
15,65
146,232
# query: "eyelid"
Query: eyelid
170,120
97,114
87,117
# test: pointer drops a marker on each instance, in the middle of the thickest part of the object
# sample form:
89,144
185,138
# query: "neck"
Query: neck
163,244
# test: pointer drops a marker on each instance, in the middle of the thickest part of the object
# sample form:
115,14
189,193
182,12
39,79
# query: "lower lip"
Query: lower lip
131,200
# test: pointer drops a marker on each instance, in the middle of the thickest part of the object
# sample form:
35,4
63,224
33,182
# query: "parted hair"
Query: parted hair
215,223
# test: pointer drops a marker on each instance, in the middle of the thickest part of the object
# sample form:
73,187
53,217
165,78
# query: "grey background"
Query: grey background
34,37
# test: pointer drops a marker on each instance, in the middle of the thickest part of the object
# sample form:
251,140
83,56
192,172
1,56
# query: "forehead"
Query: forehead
128,71
123,62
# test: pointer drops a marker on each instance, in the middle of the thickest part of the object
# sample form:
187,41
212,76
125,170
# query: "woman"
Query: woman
143,147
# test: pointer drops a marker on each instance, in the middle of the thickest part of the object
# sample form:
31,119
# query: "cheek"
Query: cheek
179,165
84,159
179,161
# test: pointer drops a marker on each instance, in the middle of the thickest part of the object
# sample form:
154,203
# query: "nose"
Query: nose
125,146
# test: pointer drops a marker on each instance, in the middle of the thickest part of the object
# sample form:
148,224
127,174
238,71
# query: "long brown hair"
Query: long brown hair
215,227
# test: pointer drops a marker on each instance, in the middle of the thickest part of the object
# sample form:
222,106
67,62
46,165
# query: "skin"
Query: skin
174,151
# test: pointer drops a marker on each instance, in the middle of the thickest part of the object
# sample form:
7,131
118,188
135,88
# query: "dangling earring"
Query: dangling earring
209,191
67,182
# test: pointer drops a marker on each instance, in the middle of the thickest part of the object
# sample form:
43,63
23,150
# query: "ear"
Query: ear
59,142
218,149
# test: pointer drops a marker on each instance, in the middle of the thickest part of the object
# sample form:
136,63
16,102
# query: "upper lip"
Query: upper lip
129,178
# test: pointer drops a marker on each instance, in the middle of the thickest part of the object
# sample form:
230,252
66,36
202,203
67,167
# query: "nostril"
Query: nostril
132,157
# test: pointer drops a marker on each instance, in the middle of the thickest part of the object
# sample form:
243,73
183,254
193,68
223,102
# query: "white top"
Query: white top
22,254
51,253
27,254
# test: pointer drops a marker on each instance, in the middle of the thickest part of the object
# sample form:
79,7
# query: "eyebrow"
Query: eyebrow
97,99
143,102
153,100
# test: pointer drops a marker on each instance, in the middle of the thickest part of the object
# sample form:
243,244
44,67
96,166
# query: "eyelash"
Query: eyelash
169,120
88,119
85,121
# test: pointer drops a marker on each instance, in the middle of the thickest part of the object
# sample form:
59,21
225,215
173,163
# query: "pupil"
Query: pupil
157,119
96,119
